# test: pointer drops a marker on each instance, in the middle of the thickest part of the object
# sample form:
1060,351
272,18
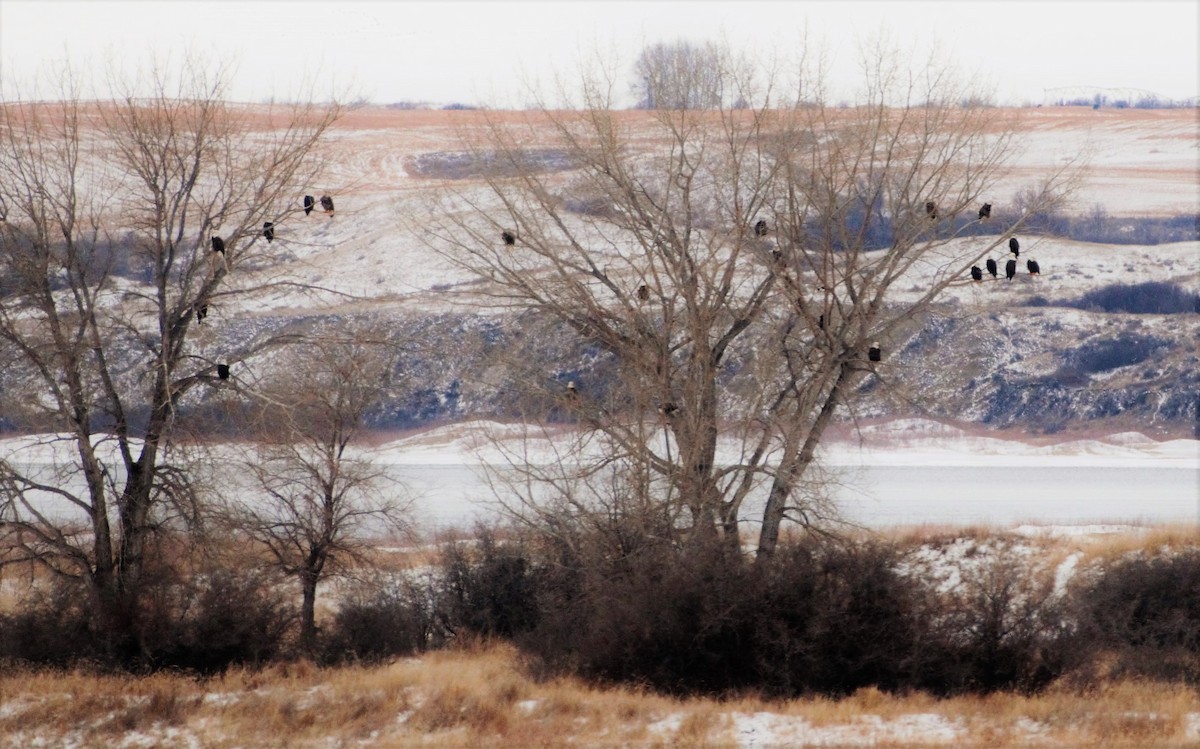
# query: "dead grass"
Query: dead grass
482,696
1150,539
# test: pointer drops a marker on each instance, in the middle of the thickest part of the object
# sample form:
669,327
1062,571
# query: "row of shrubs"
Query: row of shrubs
1148,298
821,616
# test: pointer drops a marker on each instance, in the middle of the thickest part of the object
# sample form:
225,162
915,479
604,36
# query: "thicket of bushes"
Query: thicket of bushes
1150,298
206,624
821,617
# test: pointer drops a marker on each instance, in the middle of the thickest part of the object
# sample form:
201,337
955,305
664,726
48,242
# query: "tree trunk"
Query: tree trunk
134,511
698,447
793,467
308,617
115,620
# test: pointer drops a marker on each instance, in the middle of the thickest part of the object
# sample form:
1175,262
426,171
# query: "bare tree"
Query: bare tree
107,261
317,498
681,75
732,271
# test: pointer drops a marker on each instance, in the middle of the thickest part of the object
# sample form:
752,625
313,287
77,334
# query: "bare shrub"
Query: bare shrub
1104,354
845,620
1002,627
1144,614
383,619
488,590
49,628
670,619
218,619
707,620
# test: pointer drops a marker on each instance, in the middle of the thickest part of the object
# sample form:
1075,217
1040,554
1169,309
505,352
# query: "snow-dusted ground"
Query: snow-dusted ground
1140,163
753,730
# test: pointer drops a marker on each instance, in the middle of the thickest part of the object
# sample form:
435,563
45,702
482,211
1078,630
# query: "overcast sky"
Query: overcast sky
485,52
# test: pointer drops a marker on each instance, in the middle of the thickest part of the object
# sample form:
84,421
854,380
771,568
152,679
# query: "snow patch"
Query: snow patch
528,706
1191,726
772,730
666,727
1064,572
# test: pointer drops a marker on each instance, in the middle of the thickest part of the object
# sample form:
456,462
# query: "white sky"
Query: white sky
485,52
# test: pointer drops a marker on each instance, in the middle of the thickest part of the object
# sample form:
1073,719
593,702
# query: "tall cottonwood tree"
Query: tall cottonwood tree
713,328
105,260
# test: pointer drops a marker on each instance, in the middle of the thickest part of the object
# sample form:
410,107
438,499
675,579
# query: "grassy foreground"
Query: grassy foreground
482,696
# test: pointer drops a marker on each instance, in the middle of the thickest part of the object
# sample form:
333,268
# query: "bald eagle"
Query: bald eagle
327,204
985,212
931,210
508,237
1014,247
218,244
269,231
1010,269
643,292
976,273
991,266
760,228
1034,268
308,204
223,371
875,353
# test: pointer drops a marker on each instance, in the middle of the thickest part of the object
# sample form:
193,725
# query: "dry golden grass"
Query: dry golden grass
481,696
1150,539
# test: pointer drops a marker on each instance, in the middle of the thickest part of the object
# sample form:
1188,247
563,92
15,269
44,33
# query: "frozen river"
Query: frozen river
879,496
927,474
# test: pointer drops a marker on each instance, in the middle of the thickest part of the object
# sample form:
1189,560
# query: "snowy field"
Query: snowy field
375,247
